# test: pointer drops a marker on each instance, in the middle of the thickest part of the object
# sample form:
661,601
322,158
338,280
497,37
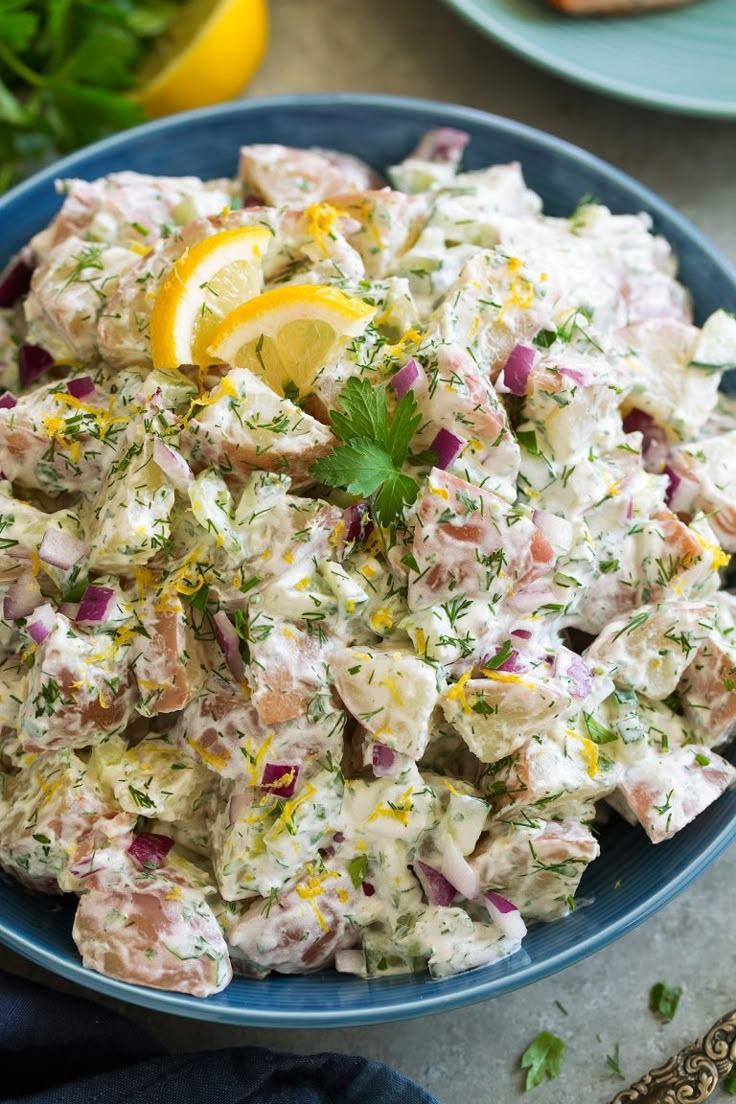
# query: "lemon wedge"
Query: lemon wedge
210,53
288,335
203,287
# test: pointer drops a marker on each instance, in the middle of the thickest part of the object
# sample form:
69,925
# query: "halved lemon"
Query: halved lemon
203,287
288,335
209,54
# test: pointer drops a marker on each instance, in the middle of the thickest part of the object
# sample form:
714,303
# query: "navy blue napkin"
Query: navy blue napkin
58,1049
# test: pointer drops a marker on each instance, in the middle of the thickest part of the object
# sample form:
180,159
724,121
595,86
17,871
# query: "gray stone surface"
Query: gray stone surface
417,47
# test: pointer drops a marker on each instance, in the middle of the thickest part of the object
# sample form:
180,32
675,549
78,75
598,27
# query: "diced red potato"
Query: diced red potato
54,442
707,691
282,176
153,932
130,207
50,814
557,774
675,559
656,356
497,714
651,295
80,690
224,730
665,792
467,542
164,660
393,694
492,306
285,672
69,291
537,867
248,428
649,650
708,470
460,400
128,520
300,932
284,530
389,223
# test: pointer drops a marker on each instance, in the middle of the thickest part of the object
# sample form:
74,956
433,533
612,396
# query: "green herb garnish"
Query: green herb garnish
543,1058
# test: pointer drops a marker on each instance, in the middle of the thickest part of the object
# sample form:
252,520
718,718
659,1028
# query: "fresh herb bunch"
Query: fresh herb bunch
370,460
65,68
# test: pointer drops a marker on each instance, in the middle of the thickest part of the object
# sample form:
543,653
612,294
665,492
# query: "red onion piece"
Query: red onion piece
15,280
172,464
437,889
229,641
405,378
368,889
95,605
571,373
458,871
21,598
505,915
569,665
385,761
8,400
82,387
339,837
517,368
445,146
280,779
252,201
150,850
327,852
654,443
523,634
682,491
512,664
60,549
358,522
447,446
33,361
40,623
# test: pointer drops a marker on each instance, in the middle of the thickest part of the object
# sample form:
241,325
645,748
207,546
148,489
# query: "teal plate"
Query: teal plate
680,60
632,879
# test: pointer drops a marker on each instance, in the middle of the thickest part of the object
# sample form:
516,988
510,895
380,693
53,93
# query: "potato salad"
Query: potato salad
362,544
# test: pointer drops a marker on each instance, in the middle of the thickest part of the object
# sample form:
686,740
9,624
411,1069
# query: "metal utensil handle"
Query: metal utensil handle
693,1075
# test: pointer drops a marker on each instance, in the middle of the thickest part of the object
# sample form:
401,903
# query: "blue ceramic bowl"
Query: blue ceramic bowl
632,879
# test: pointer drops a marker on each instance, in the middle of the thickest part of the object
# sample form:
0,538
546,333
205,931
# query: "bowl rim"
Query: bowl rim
524,46
477,987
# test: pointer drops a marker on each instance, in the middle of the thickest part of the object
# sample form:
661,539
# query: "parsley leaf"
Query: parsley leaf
65,68
374,450
664,999
358,870
729,1085
543,1058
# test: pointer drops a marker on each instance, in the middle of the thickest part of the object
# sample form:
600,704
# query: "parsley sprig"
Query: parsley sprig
374,448
543,1058
64,70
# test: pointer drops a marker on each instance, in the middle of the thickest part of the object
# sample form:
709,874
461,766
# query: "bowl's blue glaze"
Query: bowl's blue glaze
632,879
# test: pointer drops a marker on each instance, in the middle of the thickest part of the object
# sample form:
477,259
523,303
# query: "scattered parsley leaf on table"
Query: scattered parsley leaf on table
374,448
543,1058
664,999
729,1085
